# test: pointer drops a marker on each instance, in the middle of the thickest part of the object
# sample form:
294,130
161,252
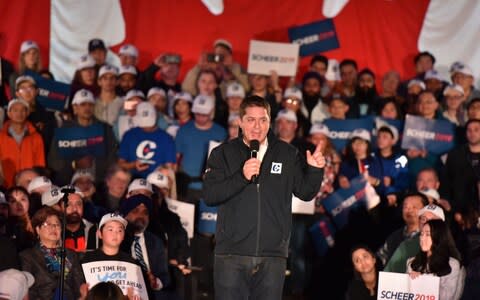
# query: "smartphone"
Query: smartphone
215,58
172,59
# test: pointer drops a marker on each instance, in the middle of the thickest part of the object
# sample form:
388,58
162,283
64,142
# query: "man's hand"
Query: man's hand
316,159
140,166
251,167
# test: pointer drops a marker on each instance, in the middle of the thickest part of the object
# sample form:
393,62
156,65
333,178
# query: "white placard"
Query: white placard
123,274
302,207
186,212
401,286
212,145
264,57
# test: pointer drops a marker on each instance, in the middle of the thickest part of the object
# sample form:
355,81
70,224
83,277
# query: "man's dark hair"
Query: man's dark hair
473,101
320,58
417,194
366,71
424,53
470,122
253,101
348,61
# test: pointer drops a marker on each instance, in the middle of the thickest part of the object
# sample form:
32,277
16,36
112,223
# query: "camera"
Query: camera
214,58
172,59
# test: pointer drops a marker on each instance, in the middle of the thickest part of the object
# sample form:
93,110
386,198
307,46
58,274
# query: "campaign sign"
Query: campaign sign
322,233
302,207
340,203
435,136
264,57
52,94
207,221
124,274
401,286
314,37
340,129
76,142
186,213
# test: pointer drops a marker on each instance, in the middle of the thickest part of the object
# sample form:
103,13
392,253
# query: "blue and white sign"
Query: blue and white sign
207,221
323,235
340,130
314,37
435,136
76,142
52,94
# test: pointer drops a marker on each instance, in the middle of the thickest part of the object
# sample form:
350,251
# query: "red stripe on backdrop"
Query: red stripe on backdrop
24,20
377,33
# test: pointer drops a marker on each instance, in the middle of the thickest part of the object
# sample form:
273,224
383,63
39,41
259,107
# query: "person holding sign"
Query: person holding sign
253,187
364,284
438,256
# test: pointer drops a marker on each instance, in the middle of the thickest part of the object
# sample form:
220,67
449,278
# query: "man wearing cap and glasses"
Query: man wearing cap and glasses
21,146
221,61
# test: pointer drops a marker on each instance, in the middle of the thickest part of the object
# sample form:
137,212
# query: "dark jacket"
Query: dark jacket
255,219
46,283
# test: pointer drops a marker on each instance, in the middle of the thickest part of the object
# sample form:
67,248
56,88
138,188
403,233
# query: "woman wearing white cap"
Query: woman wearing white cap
29,60
85,76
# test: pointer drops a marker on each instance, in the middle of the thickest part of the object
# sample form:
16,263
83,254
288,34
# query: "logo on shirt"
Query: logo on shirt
276,168
146,150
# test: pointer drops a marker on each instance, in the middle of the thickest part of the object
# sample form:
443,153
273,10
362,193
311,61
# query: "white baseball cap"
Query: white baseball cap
15,284
333,70
432,193
134,93
156,91
362,134
158,179
139,184
146,115
127,70
52,196
23,78
38,182
83,96
292,92
15,101
27,45
319,128
203,105
453,87
379,123
434,209
433,74
460,67
235,89
85,61
184,96
112,217
418,82
286,114
82,173
223,42
107,69
128,50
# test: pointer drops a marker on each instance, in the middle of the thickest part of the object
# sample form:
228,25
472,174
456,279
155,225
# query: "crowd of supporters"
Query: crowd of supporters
154,133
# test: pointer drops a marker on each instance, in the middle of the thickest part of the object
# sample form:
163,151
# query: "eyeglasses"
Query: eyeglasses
292,101
51,225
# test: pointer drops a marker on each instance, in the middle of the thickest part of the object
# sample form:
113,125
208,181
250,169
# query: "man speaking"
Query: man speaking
253,191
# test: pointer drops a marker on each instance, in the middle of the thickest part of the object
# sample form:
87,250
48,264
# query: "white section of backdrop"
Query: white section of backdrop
74,23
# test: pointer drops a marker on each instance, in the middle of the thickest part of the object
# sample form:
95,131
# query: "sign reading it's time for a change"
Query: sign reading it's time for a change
124,274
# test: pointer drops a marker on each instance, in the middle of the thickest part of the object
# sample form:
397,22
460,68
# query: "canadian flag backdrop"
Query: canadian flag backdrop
380,34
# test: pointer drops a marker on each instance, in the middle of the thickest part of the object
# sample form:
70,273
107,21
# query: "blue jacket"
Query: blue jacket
395,167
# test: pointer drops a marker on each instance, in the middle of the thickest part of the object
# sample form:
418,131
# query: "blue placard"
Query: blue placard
207,220
340,129
76,142
323,235
340,203
435,136
52,95
314,37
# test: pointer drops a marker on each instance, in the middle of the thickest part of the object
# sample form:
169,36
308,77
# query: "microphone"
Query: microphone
254,146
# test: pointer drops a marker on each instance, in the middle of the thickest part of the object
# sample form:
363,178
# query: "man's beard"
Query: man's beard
3,220
311,100
365,95
138,225
74,218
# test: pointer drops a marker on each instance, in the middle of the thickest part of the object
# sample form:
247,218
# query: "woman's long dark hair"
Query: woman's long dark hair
350,155
443,247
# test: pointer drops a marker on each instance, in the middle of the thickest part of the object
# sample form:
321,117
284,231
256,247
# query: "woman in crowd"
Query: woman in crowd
364,284
19,225
29,60
438,256
389,109
43,260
